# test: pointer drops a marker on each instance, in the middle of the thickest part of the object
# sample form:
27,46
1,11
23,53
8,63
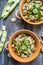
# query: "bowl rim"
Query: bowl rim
37,23
19,58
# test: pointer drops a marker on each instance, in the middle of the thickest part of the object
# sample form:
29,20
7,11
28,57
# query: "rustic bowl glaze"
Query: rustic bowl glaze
22,17
13,54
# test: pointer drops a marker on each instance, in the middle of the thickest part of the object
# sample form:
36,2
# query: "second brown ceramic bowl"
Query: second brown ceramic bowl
22,17
13,54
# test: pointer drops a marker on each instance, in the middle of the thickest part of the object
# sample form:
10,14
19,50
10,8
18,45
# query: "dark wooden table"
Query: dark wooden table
12,27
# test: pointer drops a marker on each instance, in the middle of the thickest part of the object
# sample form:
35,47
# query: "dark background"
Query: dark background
11,28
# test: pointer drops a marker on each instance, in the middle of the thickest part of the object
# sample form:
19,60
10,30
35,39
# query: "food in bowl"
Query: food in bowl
24,45
32,10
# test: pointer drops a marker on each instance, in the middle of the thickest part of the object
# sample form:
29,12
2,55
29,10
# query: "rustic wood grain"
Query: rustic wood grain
12,27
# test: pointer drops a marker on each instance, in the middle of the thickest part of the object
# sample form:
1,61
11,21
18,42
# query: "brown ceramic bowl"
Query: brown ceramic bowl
22,17
13,54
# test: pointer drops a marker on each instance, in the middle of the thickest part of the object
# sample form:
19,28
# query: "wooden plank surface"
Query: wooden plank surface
12,27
